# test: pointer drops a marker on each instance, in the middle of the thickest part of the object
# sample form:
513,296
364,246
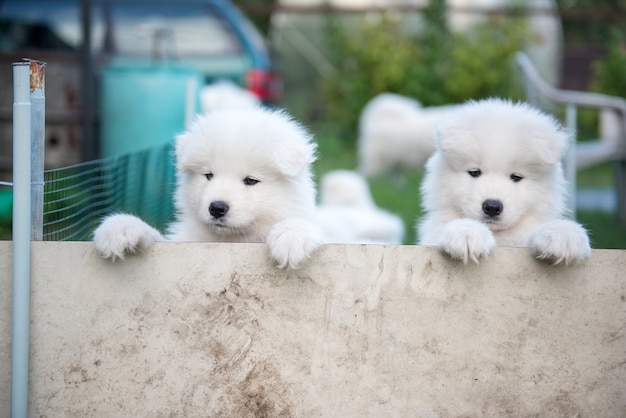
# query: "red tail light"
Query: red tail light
266,85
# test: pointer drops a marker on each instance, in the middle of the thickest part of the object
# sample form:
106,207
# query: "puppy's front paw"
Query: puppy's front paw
123,234
292,241
560,241
467,239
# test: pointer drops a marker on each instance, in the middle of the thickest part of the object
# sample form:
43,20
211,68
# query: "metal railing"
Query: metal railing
611,146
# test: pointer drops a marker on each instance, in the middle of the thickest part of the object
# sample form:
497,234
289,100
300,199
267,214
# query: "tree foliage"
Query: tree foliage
432,65
608,72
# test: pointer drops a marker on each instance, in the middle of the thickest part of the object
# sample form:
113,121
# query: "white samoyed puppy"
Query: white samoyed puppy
496,179
242,176
396,132
348,214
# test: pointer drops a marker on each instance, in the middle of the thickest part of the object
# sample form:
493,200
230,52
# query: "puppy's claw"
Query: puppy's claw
560,242
292,241
466,239
123,234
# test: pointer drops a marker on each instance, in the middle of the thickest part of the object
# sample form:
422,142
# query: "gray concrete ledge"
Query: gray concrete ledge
368,331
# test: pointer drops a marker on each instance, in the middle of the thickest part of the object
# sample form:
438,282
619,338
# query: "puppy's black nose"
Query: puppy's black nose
492,207
218,209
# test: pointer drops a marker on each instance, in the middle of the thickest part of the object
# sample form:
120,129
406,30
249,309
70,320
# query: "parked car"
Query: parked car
211,37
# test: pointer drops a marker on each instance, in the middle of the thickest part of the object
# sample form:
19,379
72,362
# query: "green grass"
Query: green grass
603,229
597,176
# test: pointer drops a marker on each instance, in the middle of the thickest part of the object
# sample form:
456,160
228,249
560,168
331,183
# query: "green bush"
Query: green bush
376,60
432,65
480,63
608,72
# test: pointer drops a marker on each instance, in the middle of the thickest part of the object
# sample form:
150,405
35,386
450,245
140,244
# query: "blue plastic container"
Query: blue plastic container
143,106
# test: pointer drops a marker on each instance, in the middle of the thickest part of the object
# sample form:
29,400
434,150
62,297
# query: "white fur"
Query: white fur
345,188
501,139
396,132
235,146
121,234
348,214
224,94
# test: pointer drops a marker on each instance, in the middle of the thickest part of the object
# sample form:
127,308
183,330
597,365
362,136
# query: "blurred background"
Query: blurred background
119,73
337,58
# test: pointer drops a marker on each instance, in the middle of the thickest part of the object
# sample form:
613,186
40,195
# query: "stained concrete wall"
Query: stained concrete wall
368,331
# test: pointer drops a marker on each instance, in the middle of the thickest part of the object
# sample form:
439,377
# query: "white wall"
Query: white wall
215,330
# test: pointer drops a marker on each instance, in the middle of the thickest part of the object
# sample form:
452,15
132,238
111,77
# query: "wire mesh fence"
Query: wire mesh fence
77,197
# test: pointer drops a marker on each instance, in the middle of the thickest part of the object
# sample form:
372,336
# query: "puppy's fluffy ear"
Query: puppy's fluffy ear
452,140
292,157
446,136
549,141
181,149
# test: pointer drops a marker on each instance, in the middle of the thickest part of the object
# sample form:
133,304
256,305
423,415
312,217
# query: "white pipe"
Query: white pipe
191,94
570,159
21,239
38,134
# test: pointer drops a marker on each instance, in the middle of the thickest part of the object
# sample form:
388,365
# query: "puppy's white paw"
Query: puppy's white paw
560,241
292,241
123,234
467,239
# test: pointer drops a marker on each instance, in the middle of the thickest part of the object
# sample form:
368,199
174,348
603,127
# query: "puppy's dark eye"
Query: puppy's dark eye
209,176
475,173
516,177
250,181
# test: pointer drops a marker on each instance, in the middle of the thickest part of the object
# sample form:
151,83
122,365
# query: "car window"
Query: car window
123,29
175,31
39,25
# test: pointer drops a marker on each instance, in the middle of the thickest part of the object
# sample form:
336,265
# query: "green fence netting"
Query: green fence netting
76,198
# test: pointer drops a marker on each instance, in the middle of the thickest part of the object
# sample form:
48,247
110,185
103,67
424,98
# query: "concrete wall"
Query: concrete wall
368,331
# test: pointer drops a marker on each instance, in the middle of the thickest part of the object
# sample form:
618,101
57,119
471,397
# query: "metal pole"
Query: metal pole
191,93
570,159
21,239
38,135
89,146
620,172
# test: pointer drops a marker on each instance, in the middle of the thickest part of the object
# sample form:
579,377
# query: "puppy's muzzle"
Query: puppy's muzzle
218,209
492,208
